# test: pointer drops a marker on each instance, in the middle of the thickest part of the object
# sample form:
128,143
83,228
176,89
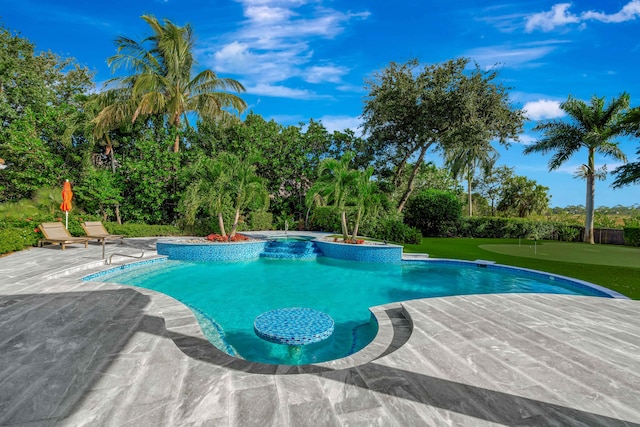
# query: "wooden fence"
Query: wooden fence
609,236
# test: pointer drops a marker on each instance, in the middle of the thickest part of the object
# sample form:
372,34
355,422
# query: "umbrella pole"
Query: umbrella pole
66,220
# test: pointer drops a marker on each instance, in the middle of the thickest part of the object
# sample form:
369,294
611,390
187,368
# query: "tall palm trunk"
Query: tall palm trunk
176,142
591,188
469,196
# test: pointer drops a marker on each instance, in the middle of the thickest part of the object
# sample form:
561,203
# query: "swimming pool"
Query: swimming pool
226,297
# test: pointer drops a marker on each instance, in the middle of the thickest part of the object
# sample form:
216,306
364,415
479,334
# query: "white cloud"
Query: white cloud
282,92
319,74
340,123
543,109
628,12
556,17
559,16
274,44
512,56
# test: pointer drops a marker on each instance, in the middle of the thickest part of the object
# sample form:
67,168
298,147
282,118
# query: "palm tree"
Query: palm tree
365,196
160,81
592,127
467,155
335,178
630,173
224,183
207,191
245,187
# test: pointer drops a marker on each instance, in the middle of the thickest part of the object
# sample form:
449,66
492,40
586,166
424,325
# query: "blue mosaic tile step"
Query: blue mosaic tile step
293,326
276,255
290,250
293,244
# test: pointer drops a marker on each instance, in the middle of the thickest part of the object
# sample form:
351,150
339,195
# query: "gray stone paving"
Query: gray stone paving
86,353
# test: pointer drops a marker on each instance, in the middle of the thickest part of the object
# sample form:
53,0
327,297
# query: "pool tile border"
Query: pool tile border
576,283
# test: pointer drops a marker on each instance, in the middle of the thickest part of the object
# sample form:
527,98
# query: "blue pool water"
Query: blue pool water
227,296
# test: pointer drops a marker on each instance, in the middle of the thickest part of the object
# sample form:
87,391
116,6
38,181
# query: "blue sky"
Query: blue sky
303,59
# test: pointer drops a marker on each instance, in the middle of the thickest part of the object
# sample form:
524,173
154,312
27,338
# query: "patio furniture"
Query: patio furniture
56,234
95,230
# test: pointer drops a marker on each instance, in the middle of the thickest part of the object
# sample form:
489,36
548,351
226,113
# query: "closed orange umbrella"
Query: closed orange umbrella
67,195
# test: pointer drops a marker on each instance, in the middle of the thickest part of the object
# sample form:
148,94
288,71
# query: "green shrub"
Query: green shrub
568,232
142,230
632,236
493,227
634,221
325,218
394,230
261,220
434,212
16,239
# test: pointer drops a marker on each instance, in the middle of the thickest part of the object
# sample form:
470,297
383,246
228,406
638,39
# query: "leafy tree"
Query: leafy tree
433,211
408,110
289,155
150,192
522,197
99,192
160,81
31,164
591,126
39,95
34,81
465,157
492,184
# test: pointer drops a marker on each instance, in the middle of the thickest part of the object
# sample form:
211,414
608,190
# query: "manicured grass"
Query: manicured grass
614,267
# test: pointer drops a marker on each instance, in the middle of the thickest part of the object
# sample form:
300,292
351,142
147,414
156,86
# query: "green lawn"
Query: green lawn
614,267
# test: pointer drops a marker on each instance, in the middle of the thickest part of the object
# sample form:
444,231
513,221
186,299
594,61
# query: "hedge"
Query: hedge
632,236
16,239
497,227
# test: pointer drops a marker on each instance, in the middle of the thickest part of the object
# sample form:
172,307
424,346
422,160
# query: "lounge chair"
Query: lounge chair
55,233
95,230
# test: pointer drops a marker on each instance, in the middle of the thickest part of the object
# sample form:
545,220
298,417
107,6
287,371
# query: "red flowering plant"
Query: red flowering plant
215,237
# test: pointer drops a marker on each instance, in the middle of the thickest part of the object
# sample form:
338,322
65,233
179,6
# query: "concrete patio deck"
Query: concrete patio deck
87,353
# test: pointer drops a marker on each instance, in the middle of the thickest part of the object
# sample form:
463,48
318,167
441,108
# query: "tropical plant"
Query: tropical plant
226,182
630,173
160,81
365,197
591,126
335,179
522,197
492,183
245,187
466,156
207,191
